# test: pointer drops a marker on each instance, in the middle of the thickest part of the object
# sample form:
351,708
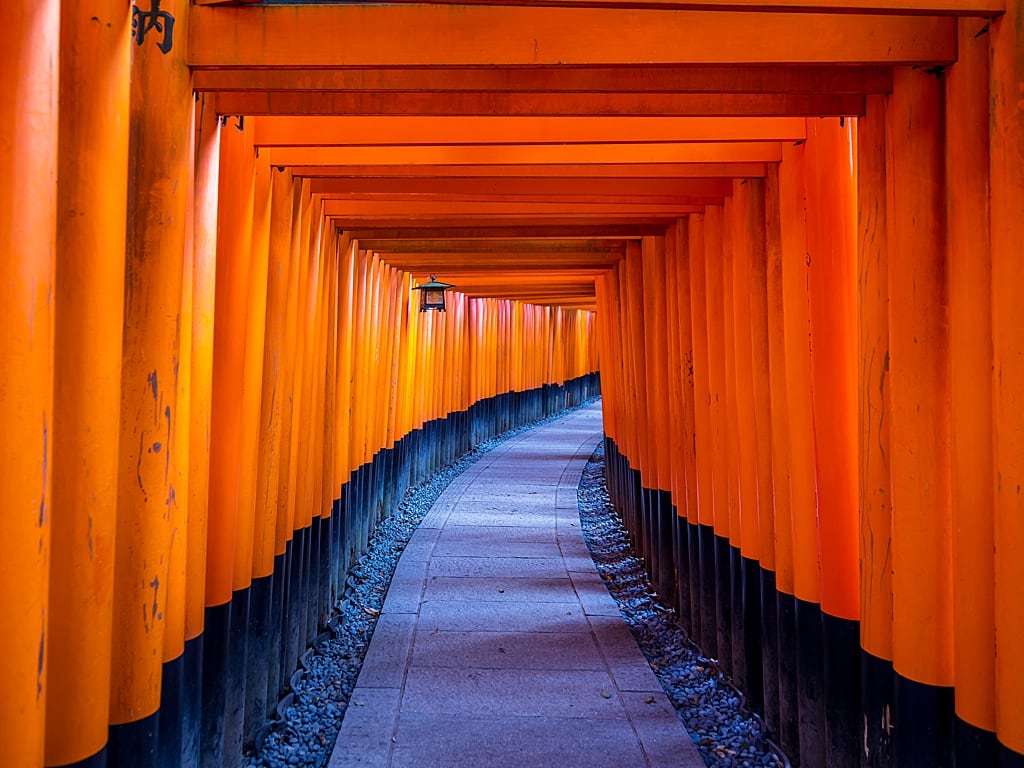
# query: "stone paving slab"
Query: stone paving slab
494,588
498,643
507,650
532,692
499,566
514,742
501,616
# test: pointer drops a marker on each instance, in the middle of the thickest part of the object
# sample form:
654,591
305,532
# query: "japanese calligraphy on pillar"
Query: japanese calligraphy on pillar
156,20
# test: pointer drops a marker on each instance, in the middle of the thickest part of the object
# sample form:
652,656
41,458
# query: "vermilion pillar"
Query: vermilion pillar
28,199
89,306
970,348
874,413
204,261
234,243
920,426
1007,179
160,155
831,273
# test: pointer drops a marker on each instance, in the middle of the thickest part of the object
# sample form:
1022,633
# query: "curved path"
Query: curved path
498,644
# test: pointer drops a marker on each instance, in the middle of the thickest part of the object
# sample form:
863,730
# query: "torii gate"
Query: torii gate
573,154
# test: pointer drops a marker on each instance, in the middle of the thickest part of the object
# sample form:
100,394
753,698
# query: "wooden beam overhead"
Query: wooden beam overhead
481,187
490,270
547,172
553,276
353,131
530,154
503,230
635,79
925,7
433,209
357,35
488,130
544,247
529,292
404,103
458,203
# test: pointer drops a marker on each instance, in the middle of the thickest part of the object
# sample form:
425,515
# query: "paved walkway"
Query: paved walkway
498,644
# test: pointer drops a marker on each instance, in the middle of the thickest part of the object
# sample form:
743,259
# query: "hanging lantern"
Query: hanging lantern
432,294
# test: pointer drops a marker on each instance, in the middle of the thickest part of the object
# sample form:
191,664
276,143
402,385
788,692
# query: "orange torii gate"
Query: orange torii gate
799,224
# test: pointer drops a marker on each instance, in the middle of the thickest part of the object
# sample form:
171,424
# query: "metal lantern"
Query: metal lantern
432,294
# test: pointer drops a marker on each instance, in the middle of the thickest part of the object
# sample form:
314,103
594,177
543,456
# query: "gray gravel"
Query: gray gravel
309,716
710,708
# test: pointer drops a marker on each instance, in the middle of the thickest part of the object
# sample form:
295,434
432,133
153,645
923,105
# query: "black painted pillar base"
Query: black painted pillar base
923,725
234,712
708,595
723,602
810,684
751,574
789,711
664,537
693,575
738,631
1010,759
841,640
877,704
134,745
192,697
169,747
99,760
681,558
770,654
257,667
976,746
215,681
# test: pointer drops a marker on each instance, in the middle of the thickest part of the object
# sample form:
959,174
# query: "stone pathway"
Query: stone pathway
498,644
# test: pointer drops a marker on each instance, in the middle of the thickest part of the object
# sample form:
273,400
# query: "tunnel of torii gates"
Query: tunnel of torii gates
788,238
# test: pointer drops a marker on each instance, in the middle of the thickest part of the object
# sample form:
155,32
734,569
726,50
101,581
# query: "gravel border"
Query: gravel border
726,734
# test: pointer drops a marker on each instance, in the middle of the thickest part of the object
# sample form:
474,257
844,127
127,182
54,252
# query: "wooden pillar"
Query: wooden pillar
720,575
160,159
785,577
28,147
1007,233
747,575
874,413
832,286
346,300
763,639
920,426
286,479
254,521
730,398
683,468
222,663
703,438
760,375
204,264
832,292
652,307
970,347
633,302
252,372
234,246
747,437
268,477
803,478
89,305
